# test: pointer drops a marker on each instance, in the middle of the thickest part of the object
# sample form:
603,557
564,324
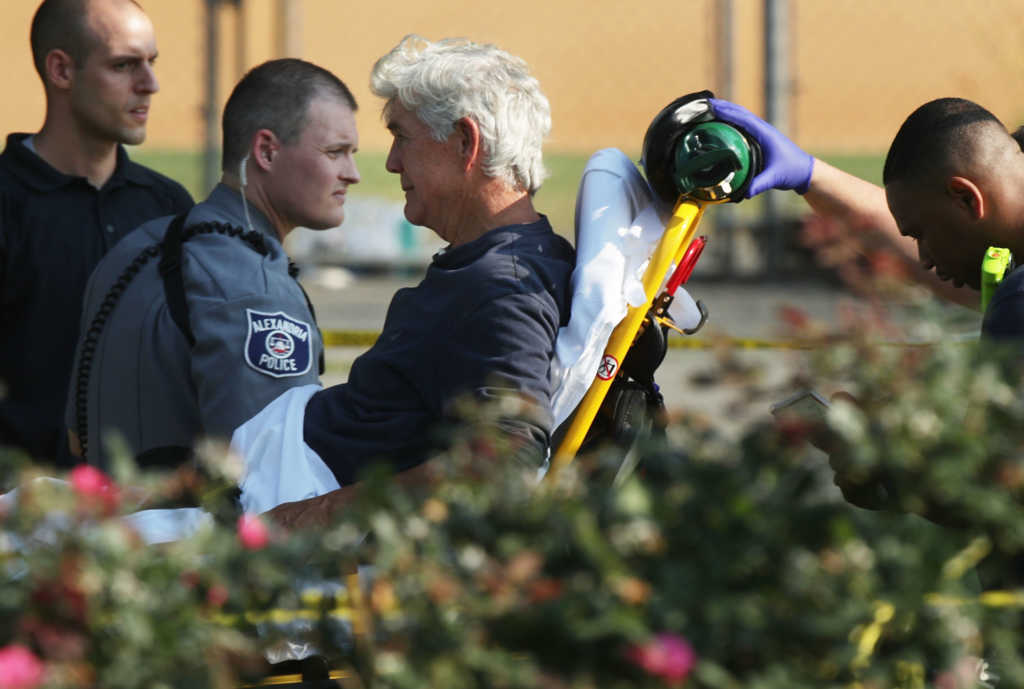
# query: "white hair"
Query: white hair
444,81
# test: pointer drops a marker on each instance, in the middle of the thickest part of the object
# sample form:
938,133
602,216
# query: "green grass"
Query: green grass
865,166
186,167
557,198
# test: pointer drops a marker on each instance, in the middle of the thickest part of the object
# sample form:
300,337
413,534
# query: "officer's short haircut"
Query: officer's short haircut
936,135
275,96
62,25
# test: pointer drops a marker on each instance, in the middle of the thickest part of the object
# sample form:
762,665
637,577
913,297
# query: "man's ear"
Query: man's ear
59,69
468,133
967,196
265,146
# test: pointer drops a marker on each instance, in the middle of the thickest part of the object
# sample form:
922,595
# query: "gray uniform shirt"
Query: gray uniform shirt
254,337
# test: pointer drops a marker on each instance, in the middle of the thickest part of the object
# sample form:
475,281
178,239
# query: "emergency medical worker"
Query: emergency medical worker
68,193
214,325
468,122
954,184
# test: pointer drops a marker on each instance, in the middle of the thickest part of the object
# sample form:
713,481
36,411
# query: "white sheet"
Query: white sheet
279,466
618,225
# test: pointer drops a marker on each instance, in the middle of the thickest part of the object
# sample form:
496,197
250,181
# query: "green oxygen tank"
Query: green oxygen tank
712,160
993,269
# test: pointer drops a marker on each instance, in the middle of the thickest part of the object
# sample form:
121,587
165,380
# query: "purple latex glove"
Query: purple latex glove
786,165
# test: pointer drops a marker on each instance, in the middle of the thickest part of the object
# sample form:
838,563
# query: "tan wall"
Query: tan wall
859,66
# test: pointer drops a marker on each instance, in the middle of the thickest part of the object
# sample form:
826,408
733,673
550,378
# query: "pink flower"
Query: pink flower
217,595
95,487
88,480
667,656
19,668
252,532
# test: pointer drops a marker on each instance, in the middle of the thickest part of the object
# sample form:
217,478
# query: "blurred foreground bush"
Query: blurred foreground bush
711,563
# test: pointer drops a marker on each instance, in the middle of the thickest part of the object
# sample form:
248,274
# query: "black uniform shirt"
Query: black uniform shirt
53,230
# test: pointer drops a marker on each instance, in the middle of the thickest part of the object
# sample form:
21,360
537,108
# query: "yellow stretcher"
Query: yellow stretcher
677,251
690,158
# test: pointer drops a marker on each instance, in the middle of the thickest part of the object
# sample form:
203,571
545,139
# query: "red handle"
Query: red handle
685,267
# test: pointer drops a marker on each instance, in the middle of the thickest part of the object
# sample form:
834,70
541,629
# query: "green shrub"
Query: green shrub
713,563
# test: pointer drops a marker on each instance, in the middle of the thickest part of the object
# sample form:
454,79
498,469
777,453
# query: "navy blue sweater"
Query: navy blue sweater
482,322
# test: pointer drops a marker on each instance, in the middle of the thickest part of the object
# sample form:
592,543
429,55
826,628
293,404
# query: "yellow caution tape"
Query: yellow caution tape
314,604
968,558
988,599
349,338
279,616
869,635
275,680
740,343
366,338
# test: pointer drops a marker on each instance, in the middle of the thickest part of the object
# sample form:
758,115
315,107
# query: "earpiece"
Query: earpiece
241,191
241,169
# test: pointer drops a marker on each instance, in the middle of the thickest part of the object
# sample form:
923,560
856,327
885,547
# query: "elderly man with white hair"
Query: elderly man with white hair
468,121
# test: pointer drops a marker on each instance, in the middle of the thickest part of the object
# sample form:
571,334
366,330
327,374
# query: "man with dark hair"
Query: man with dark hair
953,183
196,345
865,206
67,194
248,110
953,180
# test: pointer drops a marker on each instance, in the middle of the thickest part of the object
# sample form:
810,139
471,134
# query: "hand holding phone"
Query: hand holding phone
806,403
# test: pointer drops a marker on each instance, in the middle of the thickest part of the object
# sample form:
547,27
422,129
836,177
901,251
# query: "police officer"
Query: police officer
213,326
67,194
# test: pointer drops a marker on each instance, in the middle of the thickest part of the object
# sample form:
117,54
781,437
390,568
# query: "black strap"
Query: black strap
646,354
91,336
174,283
170,252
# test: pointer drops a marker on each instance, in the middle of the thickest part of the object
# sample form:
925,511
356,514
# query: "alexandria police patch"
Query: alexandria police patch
277,344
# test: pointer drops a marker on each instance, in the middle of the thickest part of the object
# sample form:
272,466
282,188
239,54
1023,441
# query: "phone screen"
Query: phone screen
805,403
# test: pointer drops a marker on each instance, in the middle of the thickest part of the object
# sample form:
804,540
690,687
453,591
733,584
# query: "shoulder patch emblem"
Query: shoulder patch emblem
277,344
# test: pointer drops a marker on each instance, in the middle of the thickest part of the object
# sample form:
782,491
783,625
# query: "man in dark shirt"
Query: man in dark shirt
67,194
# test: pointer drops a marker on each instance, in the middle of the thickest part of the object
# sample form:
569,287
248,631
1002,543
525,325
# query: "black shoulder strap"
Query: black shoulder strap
170,252
174,284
